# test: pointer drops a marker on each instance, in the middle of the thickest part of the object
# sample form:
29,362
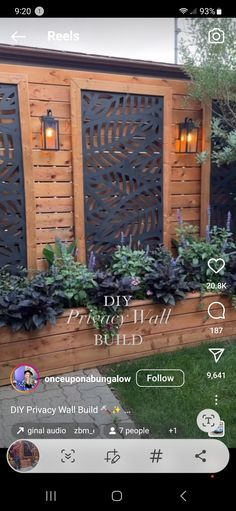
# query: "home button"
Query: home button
116,496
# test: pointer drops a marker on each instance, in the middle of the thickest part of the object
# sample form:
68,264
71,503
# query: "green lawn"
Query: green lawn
163,408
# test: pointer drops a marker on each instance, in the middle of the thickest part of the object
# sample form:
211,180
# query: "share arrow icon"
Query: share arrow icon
217,353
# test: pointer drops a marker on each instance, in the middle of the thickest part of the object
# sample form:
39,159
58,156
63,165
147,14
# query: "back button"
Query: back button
183,496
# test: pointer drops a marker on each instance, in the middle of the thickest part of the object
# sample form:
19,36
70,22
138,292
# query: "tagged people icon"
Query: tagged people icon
25,378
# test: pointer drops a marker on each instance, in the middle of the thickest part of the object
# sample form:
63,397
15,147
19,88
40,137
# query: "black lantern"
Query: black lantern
50,132
187,137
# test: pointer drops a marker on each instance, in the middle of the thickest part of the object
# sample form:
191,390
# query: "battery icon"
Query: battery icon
218,12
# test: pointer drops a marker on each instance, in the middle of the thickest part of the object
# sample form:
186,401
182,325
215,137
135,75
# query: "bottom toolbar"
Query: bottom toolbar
118,456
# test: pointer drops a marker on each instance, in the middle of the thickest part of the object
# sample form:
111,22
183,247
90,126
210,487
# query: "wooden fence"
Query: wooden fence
53,179
70,346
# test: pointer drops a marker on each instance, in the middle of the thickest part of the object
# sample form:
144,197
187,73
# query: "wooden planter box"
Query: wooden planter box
68,347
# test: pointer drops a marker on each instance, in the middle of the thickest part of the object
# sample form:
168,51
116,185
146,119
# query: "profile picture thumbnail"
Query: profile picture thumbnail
23,455
25,378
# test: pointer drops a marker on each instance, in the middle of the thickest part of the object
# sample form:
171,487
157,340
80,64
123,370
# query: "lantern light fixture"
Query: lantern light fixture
50,132
187,137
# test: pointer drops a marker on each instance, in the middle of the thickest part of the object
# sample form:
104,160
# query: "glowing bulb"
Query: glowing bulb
49,132
182,138
189,137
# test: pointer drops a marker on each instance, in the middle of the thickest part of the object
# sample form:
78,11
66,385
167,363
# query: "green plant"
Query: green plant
187,232
74,279
212,70
194,259
202,157
10,282
194,253
107,323
30,308
230,278
224,148
167,283
55,255
161,254
222,238
127,262
109,284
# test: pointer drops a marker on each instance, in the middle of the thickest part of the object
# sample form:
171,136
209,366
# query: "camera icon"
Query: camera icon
216,36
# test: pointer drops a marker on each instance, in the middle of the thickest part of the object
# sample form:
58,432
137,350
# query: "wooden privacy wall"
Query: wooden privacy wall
65,347
52,172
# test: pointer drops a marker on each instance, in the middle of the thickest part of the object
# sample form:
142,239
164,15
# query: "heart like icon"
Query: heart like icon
219,264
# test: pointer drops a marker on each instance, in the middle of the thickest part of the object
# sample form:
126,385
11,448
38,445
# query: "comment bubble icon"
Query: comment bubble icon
216,313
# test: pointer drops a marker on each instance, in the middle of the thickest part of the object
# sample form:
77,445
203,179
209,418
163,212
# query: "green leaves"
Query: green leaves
186,233
58,254
212,70
230,278
10,282
108,324
30,304
127,262
71,281
30,307
49,254
224,151
194,256
167,283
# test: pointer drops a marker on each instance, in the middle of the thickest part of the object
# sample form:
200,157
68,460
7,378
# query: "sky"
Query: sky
139,38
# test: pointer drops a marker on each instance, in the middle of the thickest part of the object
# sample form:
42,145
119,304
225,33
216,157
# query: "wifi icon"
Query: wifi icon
183,10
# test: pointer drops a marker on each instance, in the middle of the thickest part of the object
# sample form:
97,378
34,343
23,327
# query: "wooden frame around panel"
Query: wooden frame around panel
77,146
21,81
205,169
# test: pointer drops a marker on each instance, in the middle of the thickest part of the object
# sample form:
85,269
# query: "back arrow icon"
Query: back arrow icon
182,496
15,37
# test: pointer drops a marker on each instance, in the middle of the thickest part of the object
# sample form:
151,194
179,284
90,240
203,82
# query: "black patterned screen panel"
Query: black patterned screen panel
223,189
123,169
223,195
12,203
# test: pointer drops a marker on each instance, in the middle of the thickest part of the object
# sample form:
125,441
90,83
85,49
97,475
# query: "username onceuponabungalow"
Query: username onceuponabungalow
137,316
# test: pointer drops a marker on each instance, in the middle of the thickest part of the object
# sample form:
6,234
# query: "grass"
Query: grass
163,408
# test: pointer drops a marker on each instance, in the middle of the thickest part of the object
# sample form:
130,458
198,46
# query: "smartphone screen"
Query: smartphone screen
117,257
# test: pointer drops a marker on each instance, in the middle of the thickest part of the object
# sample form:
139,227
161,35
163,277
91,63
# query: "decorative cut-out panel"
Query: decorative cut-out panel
223,195
223,182
123,169
12,202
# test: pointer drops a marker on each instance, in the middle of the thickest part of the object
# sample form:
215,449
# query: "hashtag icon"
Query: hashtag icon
156,456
